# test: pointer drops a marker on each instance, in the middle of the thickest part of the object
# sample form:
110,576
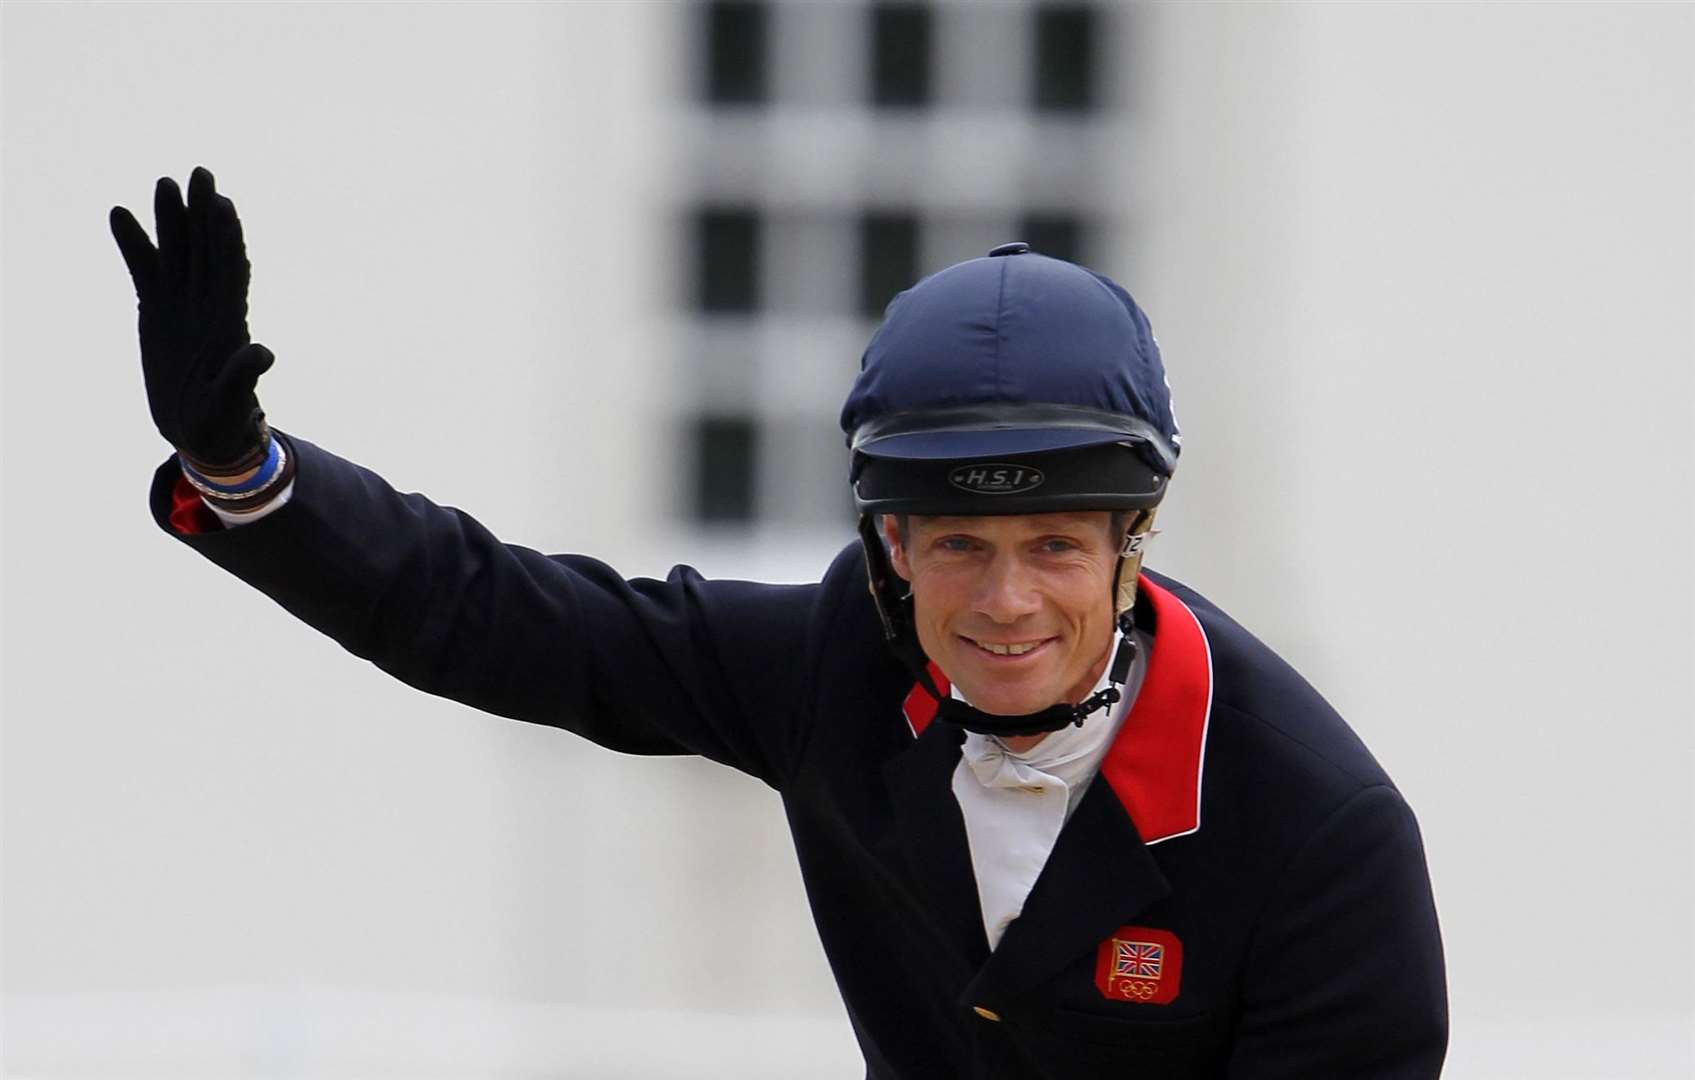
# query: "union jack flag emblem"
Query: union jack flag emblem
1137,959
1140,964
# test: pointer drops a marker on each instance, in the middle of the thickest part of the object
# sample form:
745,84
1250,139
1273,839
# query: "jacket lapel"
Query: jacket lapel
1099,877
932,836
1156,764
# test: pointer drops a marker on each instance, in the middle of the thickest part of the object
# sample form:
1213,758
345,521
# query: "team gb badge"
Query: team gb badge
1140,964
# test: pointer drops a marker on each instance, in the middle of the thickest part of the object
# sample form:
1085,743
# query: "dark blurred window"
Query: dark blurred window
727,259
900,54
1059,235
726,450
737,37
1065,57
888,257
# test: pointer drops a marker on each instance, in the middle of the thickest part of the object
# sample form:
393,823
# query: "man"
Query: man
1057,817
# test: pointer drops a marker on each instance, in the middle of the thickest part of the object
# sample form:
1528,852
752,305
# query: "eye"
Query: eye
1057,546
956,543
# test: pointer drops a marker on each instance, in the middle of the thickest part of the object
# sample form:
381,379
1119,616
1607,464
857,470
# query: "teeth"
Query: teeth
1008,650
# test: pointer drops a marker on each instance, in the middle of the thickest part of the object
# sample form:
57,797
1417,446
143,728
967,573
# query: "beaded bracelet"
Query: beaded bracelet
269,472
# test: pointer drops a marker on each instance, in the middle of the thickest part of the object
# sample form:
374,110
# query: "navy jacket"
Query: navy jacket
1240,893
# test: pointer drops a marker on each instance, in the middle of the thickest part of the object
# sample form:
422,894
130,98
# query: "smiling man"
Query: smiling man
1057,816
1015,609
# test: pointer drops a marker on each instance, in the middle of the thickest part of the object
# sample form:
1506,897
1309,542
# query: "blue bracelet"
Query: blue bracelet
268,470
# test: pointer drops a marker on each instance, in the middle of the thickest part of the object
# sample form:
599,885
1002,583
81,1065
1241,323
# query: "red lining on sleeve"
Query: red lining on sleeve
190,516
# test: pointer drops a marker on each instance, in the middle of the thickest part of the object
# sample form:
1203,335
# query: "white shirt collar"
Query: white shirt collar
1071,754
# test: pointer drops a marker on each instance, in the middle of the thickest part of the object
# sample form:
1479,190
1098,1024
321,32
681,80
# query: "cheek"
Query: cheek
938,596
1085,598
929,603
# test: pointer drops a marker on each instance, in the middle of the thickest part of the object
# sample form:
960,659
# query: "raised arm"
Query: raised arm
425,592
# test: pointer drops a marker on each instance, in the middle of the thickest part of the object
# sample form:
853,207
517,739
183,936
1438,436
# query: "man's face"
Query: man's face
1015,610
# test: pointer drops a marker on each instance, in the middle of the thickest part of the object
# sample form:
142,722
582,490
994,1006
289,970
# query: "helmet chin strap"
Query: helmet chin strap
1050,719
1054,717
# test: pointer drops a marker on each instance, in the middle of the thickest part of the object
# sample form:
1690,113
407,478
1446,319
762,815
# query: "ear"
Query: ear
897,550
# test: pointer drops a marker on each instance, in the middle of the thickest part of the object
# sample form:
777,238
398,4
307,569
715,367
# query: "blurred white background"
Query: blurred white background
1422,275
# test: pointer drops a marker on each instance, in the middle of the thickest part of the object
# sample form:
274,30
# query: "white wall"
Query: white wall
1422,275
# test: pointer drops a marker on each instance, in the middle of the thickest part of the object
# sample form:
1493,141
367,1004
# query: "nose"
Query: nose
1006,592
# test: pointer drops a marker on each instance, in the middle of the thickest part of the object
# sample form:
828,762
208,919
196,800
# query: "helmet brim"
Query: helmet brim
1002,428
1089,477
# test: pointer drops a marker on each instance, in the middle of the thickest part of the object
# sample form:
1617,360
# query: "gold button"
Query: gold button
987,1014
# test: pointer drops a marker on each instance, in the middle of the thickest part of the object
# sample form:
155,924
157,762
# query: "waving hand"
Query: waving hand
199,363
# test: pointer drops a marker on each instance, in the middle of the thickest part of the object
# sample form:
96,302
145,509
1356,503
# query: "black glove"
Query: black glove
199,364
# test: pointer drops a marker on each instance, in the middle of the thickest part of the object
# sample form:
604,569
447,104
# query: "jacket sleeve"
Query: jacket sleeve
427,594
1345,975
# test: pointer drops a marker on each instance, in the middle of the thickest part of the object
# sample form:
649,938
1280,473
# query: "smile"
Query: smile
1008,648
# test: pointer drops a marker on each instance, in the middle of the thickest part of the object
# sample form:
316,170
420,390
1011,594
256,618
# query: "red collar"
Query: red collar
1156,761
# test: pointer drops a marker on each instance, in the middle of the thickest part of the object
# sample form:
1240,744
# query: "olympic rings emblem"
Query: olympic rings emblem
1135,988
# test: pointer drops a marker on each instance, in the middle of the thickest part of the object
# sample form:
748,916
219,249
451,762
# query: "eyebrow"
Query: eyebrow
1063,522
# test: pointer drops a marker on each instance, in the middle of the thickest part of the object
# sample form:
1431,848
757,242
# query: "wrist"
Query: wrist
246,484
234,457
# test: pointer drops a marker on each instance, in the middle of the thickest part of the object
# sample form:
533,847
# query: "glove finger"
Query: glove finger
246,365
228,225
231,393
202,259
170,221
201,186
232,267
137,250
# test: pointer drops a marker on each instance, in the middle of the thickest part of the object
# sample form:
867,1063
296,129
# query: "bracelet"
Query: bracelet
270,471
265,473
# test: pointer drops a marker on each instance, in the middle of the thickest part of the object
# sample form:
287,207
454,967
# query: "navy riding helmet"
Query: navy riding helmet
1010,384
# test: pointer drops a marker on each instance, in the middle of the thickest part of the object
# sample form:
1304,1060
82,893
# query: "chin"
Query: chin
1015,707
1000,689
1006,700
